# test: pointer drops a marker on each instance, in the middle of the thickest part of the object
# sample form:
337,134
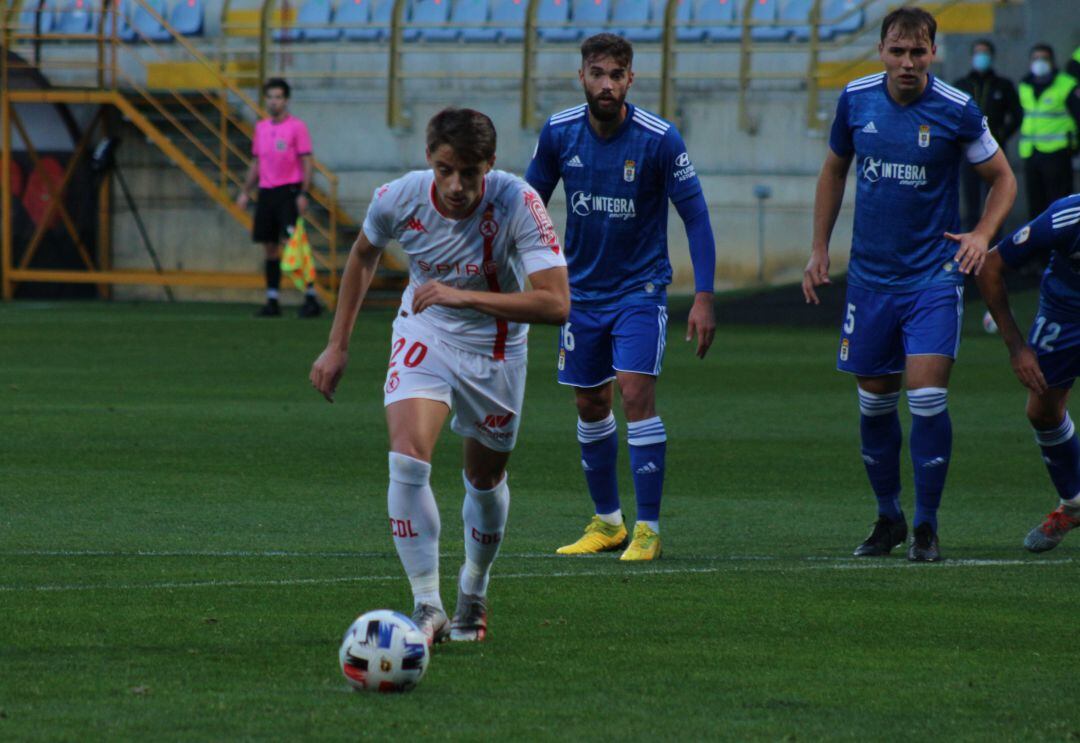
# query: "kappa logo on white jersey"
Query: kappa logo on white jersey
583,204
575,162
869,128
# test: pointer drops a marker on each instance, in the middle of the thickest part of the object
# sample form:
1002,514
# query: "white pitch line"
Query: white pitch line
333,554
628,572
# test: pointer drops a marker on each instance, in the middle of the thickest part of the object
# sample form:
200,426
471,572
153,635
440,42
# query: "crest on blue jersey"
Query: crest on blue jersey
924,136
628,171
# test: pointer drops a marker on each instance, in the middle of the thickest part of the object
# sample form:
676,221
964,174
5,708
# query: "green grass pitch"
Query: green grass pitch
187,529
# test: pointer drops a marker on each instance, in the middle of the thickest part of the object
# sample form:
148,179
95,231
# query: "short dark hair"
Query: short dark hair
1043,47
608,45
984,42
909,21
469,133
277,82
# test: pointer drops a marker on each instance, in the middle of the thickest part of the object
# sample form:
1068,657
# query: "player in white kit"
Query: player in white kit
472,234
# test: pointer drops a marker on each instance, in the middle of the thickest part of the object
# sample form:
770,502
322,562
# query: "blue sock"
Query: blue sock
879,427
599,449
931,449
648,446
1061,452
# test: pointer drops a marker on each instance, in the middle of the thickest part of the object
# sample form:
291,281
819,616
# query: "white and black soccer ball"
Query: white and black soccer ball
383,651
988,323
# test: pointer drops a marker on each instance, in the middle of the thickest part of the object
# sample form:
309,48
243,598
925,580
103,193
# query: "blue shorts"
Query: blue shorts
596,343
1057,343
881,330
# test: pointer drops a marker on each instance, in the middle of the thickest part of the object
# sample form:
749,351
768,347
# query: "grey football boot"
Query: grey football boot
470,617
1050,532
433,622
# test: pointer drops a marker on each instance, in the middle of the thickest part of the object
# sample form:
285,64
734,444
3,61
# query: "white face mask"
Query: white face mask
1040,67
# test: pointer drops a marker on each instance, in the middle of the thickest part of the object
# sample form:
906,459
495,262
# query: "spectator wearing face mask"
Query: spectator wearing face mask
997,98
1048,134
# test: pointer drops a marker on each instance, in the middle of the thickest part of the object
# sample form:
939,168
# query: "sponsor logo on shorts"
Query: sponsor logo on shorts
492,423
392,382
845,346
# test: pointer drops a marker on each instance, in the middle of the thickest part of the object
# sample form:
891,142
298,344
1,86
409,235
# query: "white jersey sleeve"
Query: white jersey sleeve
534,235
381,225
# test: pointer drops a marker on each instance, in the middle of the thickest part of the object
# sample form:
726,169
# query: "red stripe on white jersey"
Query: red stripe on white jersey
489,228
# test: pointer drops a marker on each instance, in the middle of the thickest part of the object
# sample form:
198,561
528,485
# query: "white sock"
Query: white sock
654,525
414,522
484,514
613,519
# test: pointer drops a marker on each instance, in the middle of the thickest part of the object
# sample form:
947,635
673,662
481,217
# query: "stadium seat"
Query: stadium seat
145,25
316,15
434,12
358,12
831,23
767,11
591,16
636,14
683,16
469,12
724,15
30,15
76,17
796,14
187,17
509,17
552,17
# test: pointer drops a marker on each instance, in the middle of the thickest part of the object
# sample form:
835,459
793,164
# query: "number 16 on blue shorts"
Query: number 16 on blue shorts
596,343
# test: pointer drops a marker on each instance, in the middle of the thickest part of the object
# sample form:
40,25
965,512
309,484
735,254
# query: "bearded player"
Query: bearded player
620,165
472,235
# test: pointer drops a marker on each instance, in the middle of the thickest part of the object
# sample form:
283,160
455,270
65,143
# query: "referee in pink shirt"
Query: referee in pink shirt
281,162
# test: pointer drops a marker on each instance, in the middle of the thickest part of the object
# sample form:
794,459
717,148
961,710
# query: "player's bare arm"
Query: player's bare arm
305,187
244,197
1025,363
328,369
548,301
974,245
827,200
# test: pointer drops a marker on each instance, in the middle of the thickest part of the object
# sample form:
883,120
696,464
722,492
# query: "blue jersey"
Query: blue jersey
906,166
1056,230
617,192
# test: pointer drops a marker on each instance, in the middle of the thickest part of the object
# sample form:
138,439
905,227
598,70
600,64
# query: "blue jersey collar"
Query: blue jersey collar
917,101
618,132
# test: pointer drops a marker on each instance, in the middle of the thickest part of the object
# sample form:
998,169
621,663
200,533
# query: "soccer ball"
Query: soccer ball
383,651
988,323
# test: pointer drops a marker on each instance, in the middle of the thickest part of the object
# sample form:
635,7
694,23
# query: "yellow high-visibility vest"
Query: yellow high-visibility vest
1047,126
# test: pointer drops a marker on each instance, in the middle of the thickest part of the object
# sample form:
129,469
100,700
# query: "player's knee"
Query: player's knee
928,401
408,469
592,407
1044,415
639,402
484,477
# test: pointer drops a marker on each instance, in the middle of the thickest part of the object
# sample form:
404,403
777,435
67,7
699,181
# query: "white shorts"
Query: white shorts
486,395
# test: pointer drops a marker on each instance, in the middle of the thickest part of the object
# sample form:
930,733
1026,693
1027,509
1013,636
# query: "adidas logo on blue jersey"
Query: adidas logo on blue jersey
575,162
869,129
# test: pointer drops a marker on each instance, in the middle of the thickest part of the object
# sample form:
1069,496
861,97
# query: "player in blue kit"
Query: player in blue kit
907,132
620,165
1049,361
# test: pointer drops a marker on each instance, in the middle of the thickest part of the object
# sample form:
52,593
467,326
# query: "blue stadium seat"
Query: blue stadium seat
187,17
832,26
433,12
509,15
30,15
767,11
555,13
76,17
467,12
358,12
317,13
683,16
796,14
725,15
148,27
591,16
635,14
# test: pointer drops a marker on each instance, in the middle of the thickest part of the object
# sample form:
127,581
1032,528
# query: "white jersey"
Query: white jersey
508,236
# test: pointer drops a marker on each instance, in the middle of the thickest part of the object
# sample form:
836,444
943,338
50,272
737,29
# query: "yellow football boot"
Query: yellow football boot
644,546
598,537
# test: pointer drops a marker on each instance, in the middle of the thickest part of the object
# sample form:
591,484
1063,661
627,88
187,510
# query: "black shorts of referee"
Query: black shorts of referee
275,213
